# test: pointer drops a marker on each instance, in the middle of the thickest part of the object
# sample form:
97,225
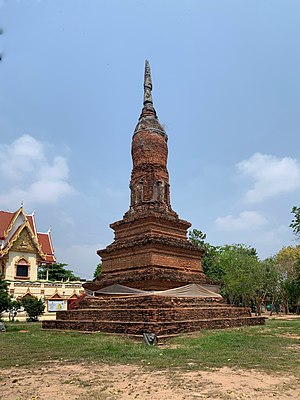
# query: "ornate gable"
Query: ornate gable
56,296
73,296
24,243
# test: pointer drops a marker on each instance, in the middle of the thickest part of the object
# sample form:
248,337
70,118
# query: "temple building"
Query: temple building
152,278
22,250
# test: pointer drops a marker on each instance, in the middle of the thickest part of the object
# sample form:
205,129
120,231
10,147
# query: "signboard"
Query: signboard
56,305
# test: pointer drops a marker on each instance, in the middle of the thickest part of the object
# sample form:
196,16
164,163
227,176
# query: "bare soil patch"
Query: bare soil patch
284,317
125,382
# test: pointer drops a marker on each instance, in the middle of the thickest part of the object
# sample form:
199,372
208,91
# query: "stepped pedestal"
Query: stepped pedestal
164,316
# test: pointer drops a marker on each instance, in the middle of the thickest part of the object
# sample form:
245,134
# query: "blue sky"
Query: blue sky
226,86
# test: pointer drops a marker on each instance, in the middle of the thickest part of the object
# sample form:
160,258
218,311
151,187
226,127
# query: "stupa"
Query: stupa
150,250
152,278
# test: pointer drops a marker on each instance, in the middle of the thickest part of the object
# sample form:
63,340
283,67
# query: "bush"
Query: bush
5,299
34,307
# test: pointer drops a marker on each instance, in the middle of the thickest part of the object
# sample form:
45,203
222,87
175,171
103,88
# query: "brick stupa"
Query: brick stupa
151,253
150,250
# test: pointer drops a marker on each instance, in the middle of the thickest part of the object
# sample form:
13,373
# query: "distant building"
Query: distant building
22,251
22,248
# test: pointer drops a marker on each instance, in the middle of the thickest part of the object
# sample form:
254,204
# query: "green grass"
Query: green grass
273,347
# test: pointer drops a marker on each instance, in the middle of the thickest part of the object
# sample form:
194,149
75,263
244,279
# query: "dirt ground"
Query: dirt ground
103,382
90,381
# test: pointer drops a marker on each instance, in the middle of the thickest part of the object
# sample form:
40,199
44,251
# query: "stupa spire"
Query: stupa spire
147,84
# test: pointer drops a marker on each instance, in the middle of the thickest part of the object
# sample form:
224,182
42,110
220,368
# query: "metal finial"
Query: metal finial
147,84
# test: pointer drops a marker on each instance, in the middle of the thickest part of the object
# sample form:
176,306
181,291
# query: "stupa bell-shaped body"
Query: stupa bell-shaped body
150,188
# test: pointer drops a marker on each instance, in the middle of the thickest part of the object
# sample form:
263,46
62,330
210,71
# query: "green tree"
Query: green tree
287,262
57,272
13,309
210,266
266,283
297,283
239,264
244,279
33,306
290,288
5,299
198,238
98,270
295,224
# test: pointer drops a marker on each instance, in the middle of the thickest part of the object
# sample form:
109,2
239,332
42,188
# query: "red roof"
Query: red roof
5,219
46,244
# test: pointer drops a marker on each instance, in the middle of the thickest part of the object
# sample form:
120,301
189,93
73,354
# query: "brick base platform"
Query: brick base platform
164,316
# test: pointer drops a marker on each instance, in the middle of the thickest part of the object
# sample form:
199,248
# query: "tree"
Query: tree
5,299
98,270
57,272
247,281
297,284
266,284
287,261
198,238
295,224
239,264
13,309
210,266
33,306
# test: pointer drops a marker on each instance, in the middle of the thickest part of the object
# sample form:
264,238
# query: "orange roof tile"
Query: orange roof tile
46,244
5,219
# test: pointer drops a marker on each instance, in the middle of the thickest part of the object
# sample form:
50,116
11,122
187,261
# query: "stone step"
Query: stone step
151,305
115,306
149,301
163,328
152,314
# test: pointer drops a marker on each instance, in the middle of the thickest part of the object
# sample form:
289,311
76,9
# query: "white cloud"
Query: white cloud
269,241
271,175
246,221
28,175
20,158
59,170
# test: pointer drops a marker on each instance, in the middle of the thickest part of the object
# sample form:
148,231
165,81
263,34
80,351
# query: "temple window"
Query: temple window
22,268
